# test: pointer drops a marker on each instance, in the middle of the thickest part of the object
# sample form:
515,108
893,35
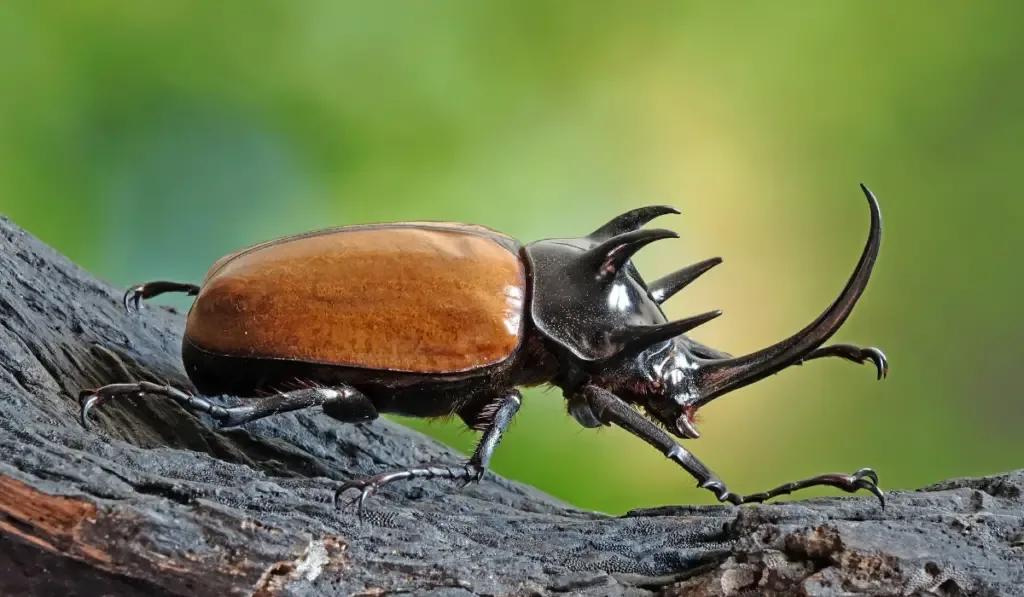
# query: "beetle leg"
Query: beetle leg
610,409
850,352
90,398
473,470
135,294
342,403
865,478
854,353
357,407
501,419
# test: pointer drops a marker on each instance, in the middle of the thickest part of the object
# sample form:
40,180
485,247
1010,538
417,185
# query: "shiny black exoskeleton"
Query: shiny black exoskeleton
590,326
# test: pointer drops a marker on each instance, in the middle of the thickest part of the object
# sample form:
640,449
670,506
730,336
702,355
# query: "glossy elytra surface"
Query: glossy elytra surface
417,297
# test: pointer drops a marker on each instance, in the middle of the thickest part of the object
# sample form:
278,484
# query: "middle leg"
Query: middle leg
473,470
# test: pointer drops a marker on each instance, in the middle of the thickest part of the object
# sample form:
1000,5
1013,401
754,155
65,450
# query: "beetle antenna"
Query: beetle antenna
642,336
609,257
632,220
720,376
661,290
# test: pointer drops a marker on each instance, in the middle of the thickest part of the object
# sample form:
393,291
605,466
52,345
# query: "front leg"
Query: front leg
505,408
611,410
848,352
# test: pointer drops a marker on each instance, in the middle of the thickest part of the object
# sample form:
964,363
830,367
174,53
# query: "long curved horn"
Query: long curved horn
717,377
631,220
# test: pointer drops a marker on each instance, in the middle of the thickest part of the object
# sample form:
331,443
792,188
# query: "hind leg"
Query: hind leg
340,402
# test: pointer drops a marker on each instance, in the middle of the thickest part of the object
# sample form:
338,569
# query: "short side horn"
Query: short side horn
662,289
609,257
641,337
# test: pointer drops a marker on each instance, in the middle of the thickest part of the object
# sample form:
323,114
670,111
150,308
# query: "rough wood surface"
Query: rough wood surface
153,501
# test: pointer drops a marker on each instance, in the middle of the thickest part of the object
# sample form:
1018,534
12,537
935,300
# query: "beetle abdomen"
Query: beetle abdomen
418,297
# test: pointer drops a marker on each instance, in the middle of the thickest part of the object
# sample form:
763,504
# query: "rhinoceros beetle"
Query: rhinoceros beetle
430,319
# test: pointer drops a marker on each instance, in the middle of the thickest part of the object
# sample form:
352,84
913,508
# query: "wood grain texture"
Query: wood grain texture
155,502
421,298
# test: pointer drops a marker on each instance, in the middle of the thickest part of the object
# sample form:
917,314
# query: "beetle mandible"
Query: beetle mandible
430,319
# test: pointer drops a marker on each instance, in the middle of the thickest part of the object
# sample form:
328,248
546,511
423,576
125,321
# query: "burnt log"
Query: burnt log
156,501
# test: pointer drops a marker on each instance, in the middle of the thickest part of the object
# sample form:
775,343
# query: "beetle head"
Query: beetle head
652,363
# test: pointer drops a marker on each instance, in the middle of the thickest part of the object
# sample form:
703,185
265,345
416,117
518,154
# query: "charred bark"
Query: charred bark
154,501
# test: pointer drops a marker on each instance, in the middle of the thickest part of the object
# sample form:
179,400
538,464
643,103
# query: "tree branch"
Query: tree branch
155,502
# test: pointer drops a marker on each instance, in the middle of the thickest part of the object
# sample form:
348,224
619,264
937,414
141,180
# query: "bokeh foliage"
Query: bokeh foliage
145,139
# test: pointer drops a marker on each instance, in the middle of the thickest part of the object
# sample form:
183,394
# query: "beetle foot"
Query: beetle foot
88,399
876,356
134,296
366,489
476,478
716,486
855,354
865,478
369,486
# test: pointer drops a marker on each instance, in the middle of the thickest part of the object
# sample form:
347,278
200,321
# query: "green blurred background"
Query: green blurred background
146,139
